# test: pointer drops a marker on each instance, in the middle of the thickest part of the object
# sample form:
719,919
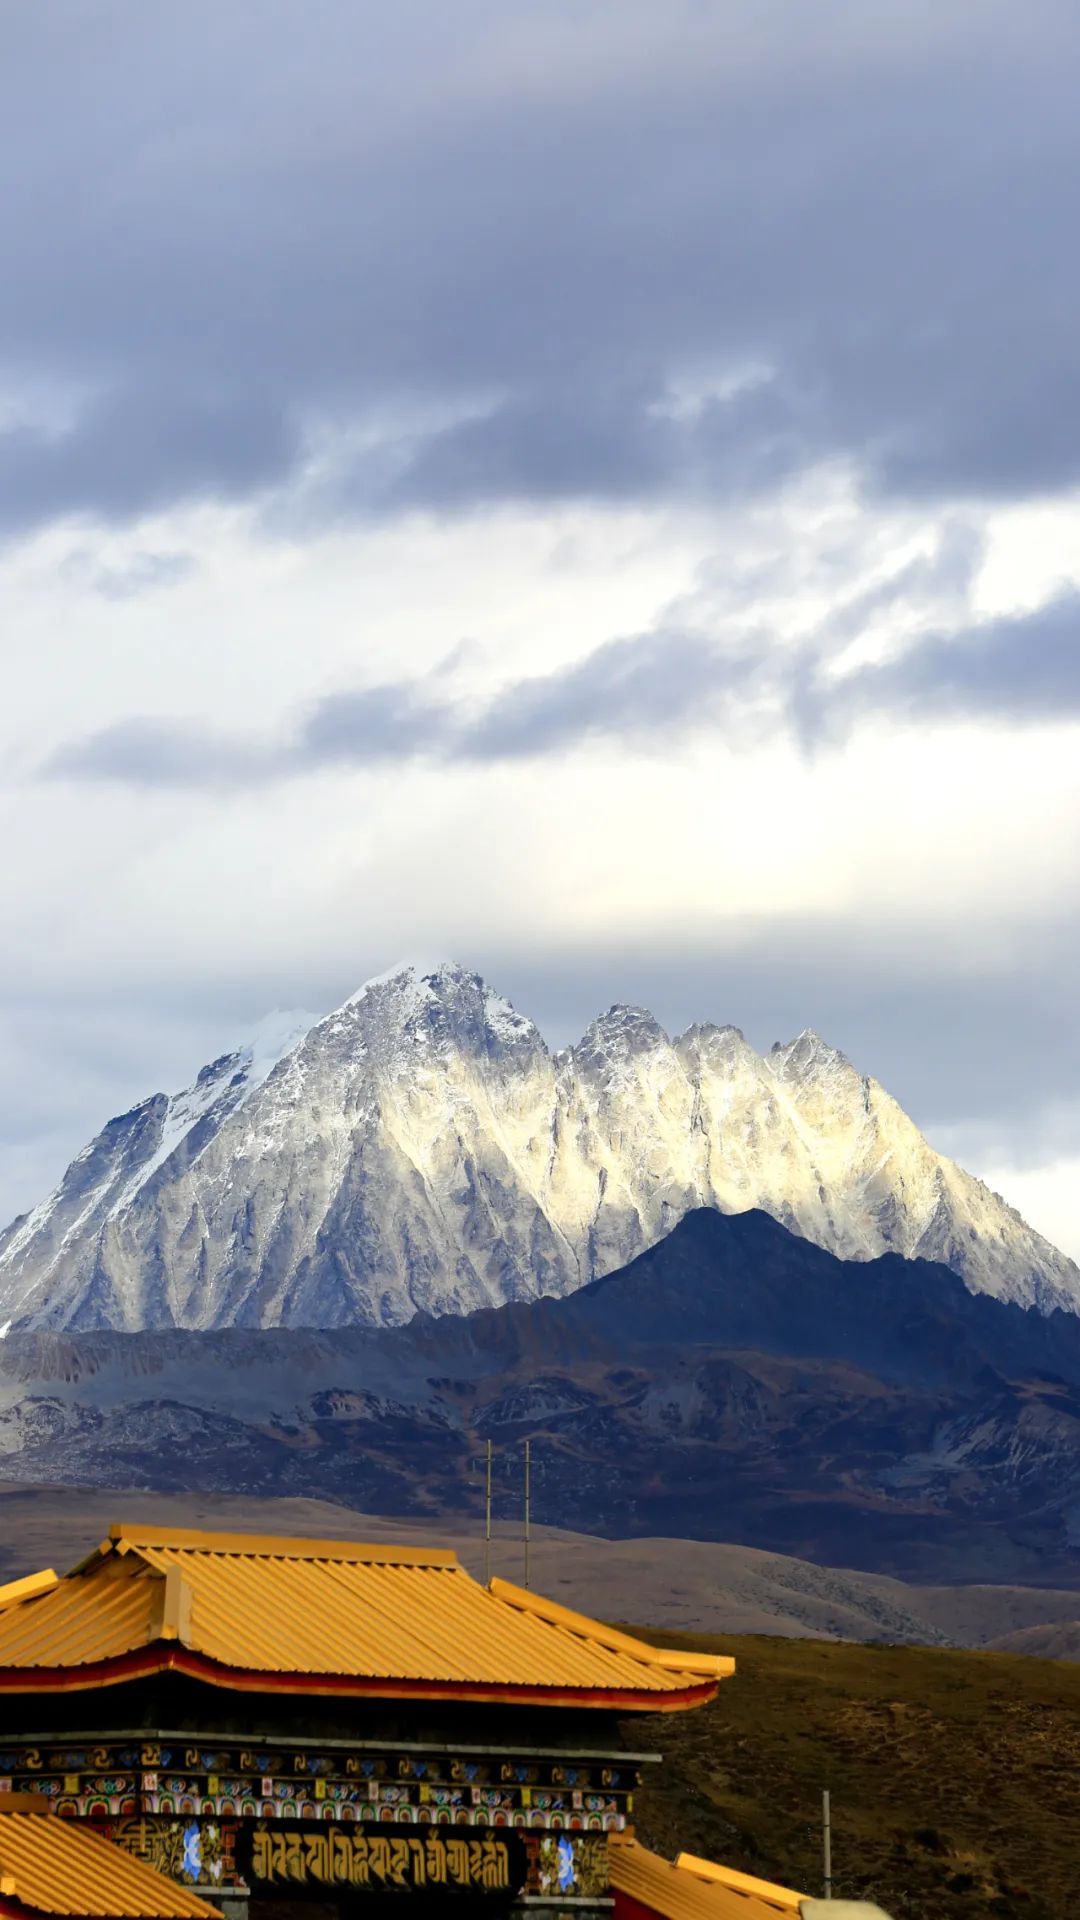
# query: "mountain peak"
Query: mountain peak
808,1056
706,1035
626,1027
420,1149
415,974
434,1004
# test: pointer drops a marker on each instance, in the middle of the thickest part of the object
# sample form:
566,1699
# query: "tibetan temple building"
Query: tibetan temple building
310,1727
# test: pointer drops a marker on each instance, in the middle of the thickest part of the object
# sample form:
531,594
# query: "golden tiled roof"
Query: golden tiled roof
692,1889
388,1619
53,1866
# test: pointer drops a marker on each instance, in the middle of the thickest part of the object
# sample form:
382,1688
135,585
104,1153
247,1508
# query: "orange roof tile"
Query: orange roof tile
51,1866
692,1889
387,1619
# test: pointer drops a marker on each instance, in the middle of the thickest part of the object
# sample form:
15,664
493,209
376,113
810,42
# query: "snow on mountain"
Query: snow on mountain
422,1149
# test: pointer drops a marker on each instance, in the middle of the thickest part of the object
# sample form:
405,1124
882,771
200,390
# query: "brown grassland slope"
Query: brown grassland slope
955,1776
699,1585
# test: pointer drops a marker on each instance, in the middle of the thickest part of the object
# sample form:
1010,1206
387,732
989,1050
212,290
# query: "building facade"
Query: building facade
313,1728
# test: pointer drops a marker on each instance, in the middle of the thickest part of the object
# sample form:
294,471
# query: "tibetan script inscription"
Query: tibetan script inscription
381,1859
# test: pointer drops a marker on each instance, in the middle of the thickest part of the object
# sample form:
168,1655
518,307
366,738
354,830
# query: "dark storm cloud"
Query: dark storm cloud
555,233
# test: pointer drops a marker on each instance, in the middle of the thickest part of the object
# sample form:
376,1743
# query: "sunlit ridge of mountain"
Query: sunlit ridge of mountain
421,1148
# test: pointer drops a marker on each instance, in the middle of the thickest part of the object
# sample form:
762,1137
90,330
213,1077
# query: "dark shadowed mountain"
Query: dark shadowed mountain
733,1383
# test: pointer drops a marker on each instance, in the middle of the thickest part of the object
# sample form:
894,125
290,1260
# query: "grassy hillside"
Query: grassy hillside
955,1777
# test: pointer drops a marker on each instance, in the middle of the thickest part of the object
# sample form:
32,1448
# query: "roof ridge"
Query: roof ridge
275,1613
131,1535
717,1666
713,1874
30,1587
689,1888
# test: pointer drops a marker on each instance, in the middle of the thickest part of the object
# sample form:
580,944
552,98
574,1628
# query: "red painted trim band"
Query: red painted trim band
165,1659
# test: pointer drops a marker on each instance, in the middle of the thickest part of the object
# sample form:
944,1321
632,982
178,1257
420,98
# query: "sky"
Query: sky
589,488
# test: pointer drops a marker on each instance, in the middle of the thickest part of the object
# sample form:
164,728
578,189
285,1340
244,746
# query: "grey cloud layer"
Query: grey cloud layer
568,231
130,451
649,687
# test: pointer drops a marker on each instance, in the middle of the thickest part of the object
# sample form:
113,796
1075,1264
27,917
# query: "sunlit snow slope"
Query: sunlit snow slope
422,1148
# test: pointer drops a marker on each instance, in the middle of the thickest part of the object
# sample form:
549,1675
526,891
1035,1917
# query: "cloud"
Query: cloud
163,753
127,578
647,687
395,722
129,452
400,269
1022,669
652,685
649,690
644,251
617,444
942,576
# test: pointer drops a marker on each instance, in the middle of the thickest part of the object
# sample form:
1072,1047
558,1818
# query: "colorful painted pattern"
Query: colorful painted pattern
569,1864
107,1782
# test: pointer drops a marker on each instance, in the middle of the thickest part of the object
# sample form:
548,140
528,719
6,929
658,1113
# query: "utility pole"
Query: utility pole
527,1466
487,1520
826,1843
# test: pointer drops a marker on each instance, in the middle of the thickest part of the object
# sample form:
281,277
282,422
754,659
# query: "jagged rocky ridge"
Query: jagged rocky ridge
422,1149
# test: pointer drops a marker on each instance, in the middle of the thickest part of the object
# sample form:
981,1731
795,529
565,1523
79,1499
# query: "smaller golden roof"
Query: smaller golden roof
693,1889
256,1611
50,1866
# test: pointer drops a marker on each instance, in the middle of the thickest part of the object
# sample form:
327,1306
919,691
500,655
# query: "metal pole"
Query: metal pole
527,1465
487,1520
826,1842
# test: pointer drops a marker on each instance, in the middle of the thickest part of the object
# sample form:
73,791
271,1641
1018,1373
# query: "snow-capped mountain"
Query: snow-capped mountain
422,1149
